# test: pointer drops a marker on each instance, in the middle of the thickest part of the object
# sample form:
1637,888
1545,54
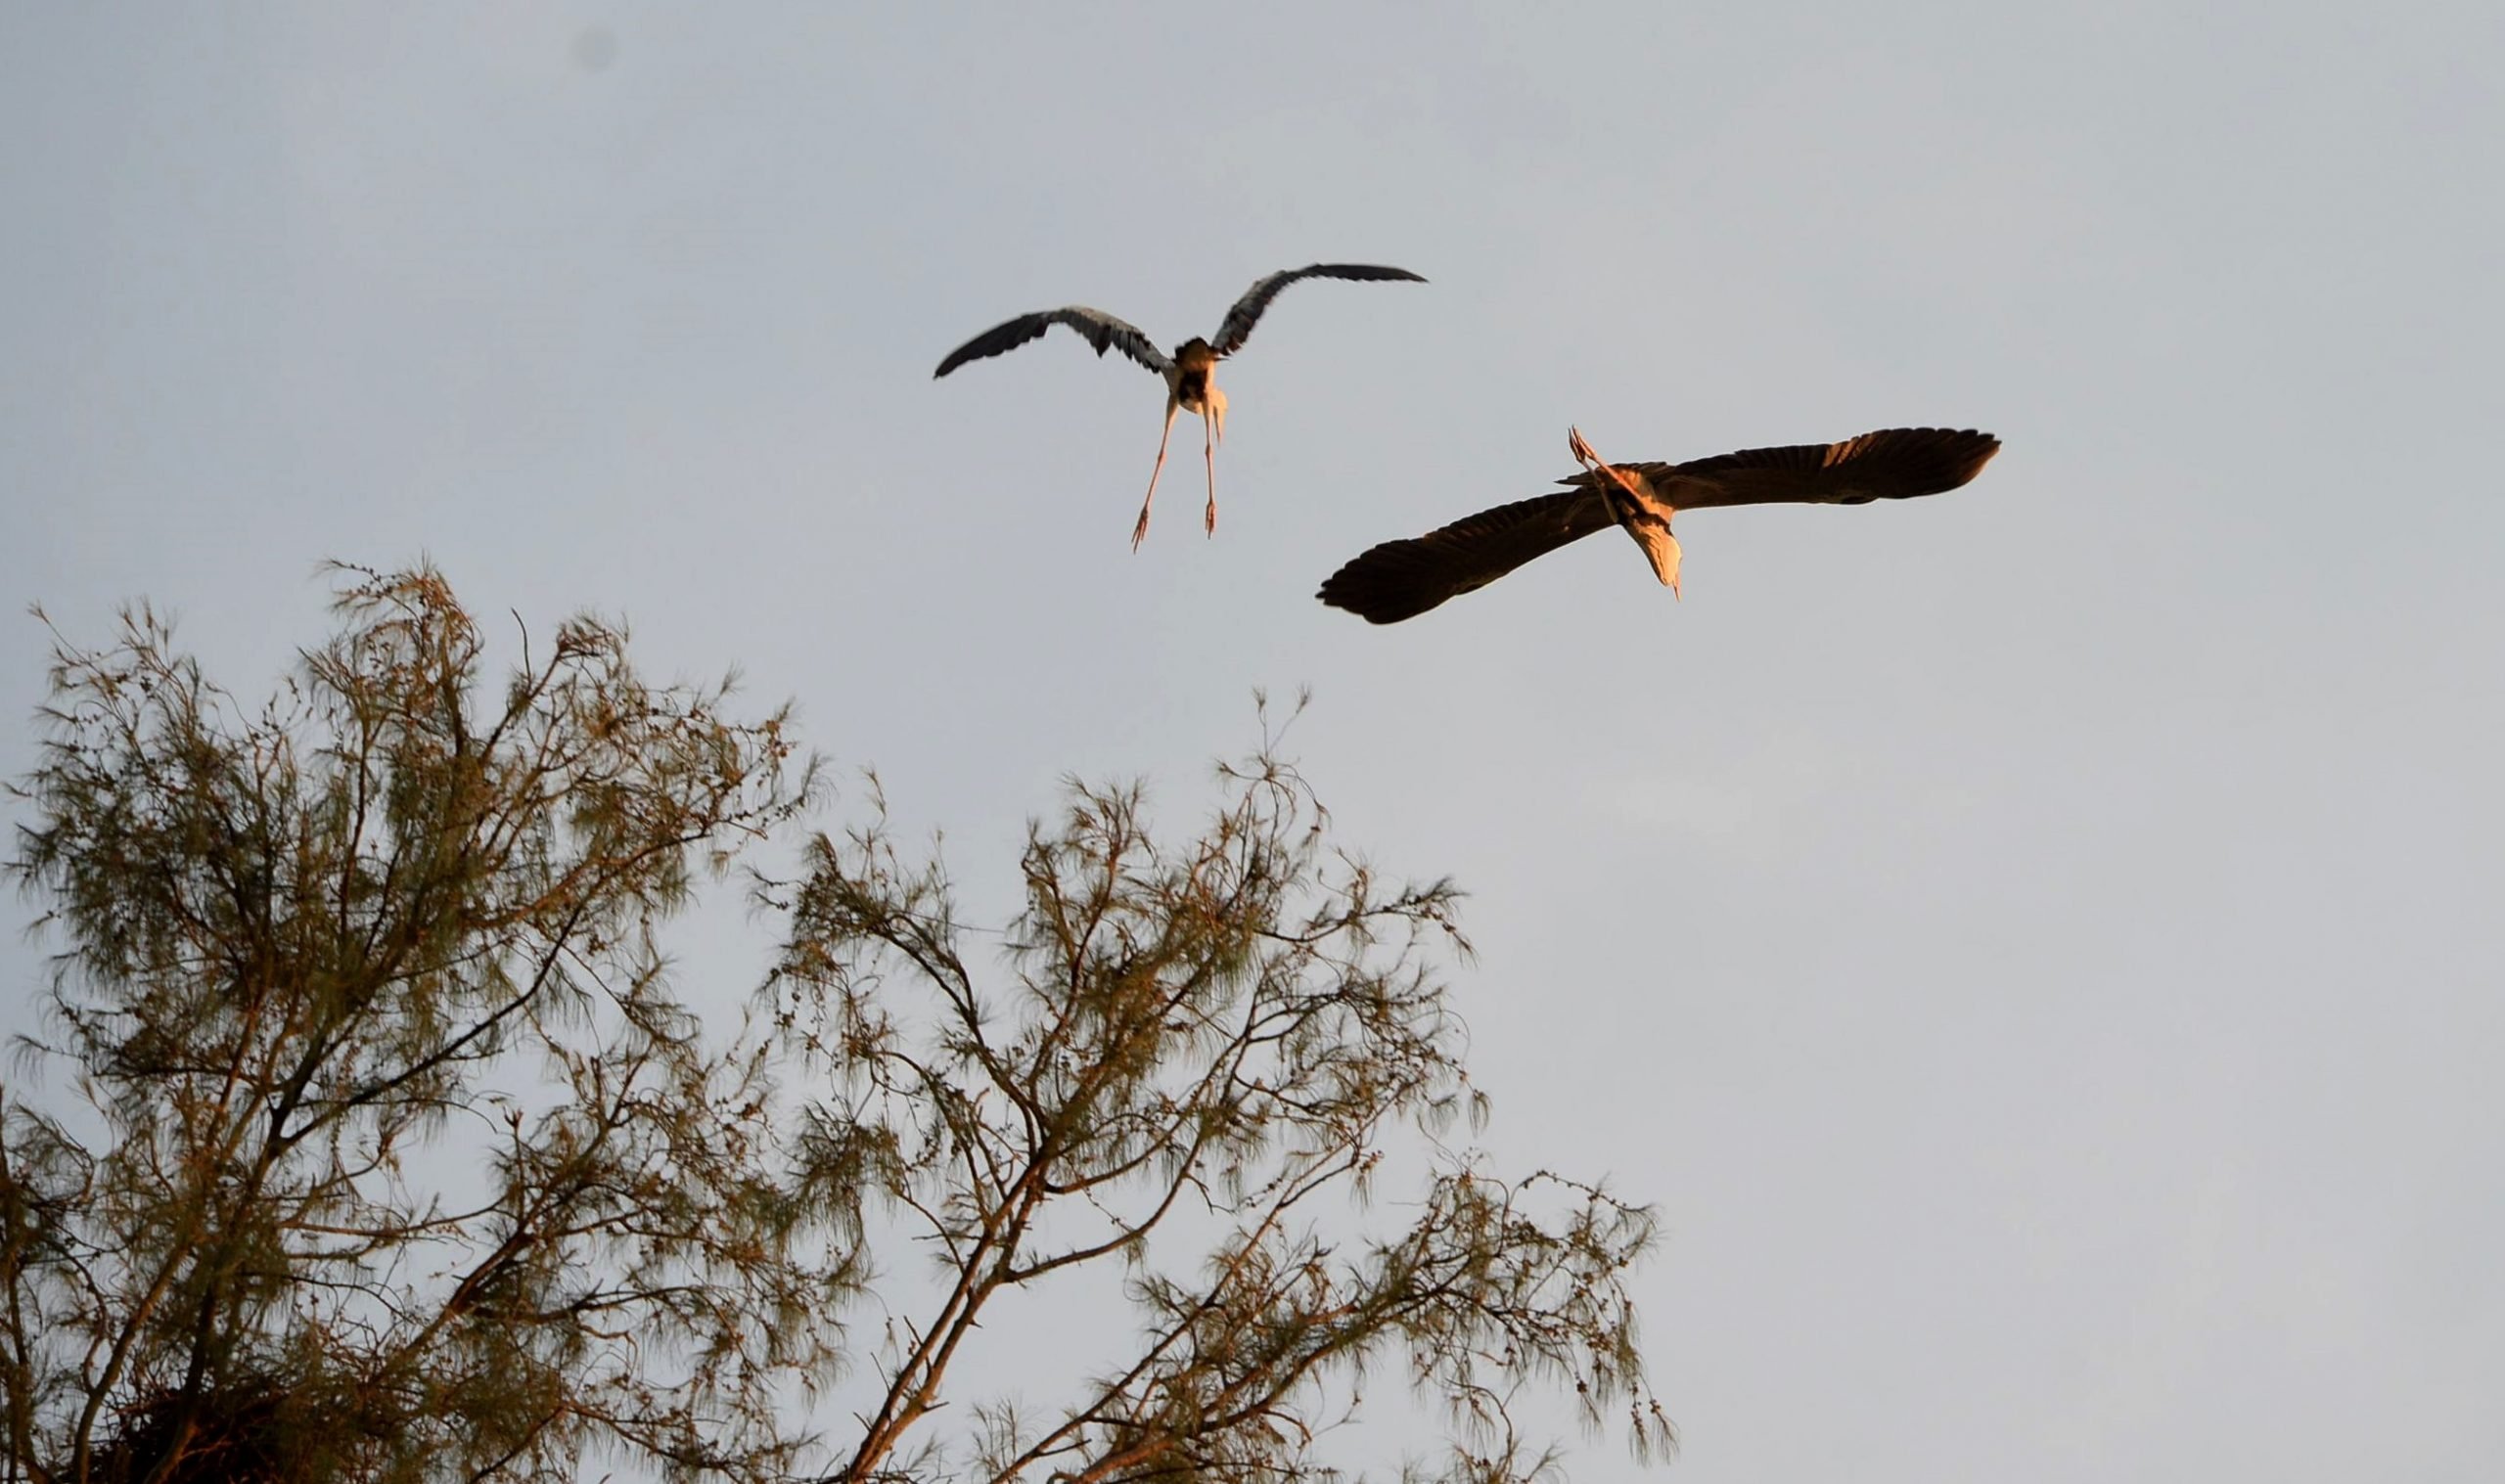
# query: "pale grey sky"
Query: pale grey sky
2039,945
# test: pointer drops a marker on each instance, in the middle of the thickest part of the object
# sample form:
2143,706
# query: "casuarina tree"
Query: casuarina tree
368,1129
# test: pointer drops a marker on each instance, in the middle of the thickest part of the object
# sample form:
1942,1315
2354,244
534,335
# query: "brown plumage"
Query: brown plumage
1401,579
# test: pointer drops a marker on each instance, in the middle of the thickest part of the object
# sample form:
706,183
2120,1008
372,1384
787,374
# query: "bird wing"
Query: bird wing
1891,464
1401,579
1240,320
1103,330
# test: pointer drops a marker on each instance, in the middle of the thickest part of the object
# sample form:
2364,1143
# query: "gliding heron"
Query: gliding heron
1401,579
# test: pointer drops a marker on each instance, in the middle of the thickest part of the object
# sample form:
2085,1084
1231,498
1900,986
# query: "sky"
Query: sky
2037,946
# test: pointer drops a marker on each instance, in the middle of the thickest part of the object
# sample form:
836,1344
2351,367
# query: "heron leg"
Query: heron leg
1139,532
1584,455
1209,456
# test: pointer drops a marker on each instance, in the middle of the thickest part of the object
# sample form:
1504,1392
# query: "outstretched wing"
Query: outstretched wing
1891,464
1240,320
1103,330
1401,579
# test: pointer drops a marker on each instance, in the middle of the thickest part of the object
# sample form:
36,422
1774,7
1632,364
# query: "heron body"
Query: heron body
1401,579
1189,387
1189,380
1636,509
1189,373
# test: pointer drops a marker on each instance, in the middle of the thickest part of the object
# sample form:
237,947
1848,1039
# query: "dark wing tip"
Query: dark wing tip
1927,460
1381,585
1104,331
1904,462
1401,579
1237,327
1362,273
1394,580
1891,463
1006,336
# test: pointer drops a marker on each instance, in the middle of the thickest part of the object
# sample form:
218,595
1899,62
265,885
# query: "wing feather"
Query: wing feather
1240,320
1103,330
1891,464
1401,579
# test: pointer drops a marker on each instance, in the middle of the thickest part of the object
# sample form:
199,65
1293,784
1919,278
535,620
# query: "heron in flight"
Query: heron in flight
1187,373
1401,579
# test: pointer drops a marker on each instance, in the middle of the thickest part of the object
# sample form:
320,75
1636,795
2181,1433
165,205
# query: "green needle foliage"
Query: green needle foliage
388,1150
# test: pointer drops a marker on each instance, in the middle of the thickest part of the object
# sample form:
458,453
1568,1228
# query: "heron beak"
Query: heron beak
1660,548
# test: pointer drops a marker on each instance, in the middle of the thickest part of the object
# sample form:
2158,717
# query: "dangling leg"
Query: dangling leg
1213,424
1139,532
1209,456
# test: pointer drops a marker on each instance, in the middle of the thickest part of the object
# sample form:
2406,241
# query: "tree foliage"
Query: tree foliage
389,1150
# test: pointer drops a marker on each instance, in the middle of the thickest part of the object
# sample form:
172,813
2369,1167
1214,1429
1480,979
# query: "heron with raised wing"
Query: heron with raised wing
1188,386
1401,579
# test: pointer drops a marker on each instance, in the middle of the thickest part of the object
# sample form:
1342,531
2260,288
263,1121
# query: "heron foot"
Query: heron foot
1208,517
1584,456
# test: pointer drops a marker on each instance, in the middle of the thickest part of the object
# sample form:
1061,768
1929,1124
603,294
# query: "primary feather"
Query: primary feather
1103,330
1237,327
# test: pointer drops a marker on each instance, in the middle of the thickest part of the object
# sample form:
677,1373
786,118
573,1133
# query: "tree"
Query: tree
396,1154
